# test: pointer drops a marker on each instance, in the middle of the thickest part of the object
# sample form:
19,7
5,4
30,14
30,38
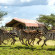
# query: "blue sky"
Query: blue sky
27,9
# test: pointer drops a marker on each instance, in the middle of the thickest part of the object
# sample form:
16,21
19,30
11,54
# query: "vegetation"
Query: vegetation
2,13
47,19
19,49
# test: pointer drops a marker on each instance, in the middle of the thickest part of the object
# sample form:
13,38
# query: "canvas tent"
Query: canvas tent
16,22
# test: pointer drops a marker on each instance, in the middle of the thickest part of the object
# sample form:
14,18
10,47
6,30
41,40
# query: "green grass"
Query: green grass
19,49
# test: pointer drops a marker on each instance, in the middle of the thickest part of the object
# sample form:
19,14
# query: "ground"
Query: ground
19,49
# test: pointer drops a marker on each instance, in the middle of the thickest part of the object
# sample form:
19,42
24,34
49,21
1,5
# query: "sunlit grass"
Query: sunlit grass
19,49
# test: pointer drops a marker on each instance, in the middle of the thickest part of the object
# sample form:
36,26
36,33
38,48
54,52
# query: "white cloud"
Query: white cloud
6,19
51,2
25,1
7,1
5,7
0,6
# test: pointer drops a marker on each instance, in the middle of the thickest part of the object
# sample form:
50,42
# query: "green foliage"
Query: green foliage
47,19
2,13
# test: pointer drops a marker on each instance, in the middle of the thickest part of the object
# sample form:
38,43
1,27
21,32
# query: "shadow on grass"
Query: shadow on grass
5,46
29,47
23,47
32,48
51,49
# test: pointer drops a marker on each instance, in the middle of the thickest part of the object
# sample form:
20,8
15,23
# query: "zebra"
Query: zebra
5,35
25,34
48,34
35,34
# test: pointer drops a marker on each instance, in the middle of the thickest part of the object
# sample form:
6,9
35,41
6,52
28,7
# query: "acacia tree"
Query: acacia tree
47,19
2,13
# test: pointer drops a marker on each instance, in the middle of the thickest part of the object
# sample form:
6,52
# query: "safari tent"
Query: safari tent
23,23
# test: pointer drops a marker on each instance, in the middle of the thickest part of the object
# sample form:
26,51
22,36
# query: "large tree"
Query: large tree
47,19
2,13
